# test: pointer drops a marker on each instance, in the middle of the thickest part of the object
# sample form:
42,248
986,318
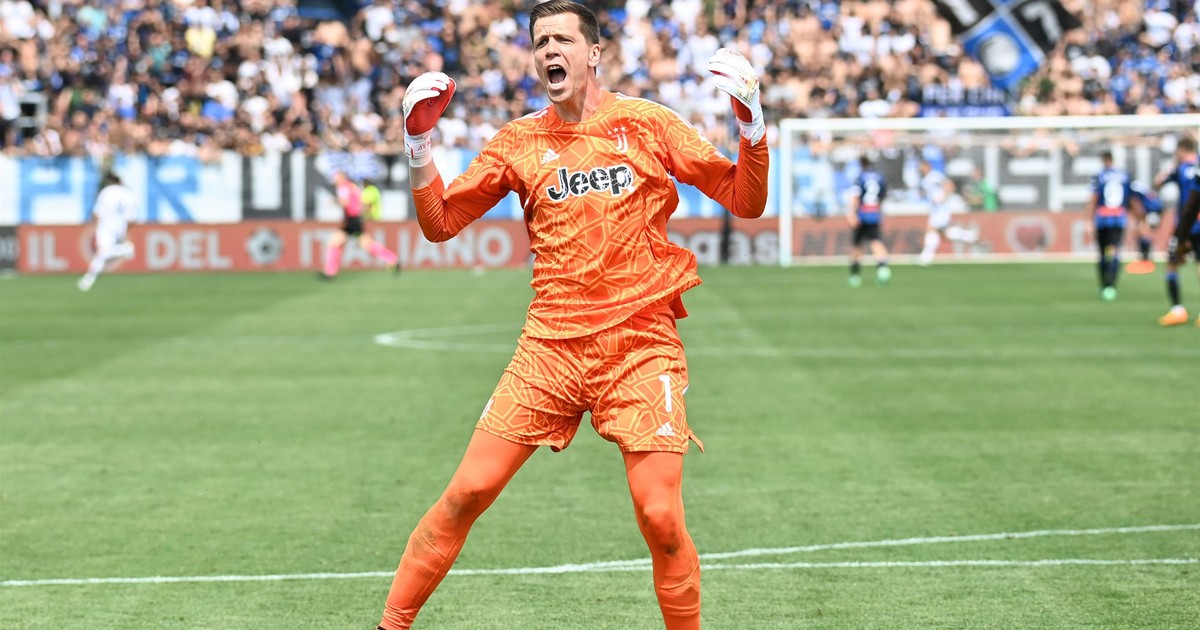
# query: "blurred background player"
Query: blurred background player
935,190
115,209
1144,226
865,218
596,174
980,193
372,201
1187,234
1109,208
1184,175
353,202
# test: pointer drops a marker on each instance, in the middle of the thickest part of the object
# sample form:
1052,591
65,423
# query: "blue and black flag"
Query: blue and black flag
1009,37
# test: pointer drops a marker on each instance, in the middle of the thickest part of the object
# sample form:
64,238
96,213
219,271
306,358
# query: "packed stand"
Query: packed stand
196,77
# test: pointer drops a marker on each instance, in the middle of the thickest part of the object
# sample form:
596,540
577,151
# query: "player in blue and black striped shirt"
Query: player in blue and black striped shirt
1186,175
1110,206
865,218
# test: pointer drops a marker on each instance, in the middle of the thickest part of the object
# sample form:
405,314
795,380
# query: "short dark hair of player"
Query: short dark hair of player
110,178
587,20
1107,157
1187,143
864,162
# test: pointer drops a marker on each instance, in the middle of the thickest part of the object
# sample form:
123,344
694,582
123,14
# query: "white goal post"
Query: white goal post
1039,164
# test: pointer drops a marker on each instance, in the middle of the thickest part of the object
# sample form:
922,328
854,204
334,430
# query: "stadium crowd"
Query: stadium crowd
195,77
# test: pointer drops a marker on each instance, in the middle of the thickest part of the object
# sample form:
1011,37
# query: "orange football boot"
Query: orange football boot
1175,317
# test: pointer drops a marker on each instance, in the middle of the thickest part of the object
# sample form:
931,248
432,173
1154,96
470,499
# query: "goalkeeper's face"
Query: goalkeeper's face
562,56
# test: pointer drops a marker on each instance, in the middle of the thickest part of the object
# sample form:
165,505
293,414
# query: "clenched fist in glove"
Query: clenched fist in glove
424,101
736,77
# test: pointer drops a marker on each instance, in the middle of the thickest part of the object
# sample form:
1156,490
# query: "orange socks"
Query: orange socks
655,481
431,550
488,465
678,587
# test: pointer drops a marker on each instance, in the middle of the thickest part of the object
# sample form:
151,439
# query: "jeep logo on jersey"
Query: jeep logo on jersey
615,179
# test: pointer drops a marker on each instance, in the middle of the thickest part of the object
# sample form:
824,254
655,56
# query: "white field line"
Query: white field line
618,569
934,540
644,564
421,340
847,565
904,542
435,340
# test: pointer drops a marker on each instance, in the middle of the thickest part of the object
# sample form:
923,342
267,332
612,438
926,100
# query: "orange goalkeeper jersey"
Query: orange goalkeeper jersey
597,195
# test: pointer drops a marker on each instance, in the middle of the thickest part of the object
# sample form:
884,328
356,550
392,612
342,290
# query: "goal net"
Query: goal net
1022,183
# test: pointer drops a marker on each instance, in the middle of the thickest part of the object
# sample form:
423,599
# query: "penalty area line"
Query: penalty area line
440,340
644,564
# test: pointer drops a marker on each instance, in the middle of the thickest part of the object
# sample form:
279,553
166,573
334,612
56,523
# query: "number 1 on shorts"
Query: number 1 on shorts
666,381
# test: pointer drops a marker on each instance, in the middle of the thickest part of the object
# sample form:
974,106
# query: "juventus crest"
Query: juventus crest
619,138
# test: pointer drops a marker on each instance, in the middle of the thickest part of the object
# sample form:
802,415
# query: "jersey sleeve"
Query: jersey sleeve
935,188
100,205
693,160
130,207
444,211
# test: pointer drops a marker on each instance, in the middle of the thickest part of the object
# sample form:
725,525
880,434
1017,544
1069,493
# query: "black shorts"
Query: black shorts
866,232
1109,237
352,226
1177,257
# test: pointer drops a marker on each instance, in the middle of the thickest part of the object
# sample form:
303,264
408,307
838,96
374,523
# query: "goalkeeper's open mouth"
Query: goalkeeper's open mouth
555,75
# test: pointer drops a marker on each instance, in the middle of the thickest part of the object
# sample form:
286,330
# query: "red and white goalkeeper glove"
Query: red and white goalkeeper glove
424,101
736,77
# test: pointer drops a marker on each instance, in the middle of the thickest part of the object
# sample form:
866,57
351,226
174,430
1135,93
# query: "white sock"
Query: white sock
932,240
96,267
959,234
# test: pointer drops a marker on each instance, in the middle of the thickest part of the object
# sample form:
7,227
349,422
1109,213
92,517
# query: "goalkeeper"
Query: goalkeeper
594,174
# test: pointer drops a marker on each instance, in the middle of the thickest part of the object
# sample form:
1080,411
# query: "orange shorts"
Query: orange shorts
631,377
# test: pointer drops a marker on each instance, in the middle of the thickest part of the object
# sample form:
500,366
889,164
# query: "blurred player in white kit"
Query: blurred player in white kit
935,190
114,210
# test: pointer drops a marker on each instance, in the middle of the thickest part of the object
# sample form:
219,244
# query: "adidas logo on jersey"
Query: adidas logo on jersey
665,430
549,156
615,179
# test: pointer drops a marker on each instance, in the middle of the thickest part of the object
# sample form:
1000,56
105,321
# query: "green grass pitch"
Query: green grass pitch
240,425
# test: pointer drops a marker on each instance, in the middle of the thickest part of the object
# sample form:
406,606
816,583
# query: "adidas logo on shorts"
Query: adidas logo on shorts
665,430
